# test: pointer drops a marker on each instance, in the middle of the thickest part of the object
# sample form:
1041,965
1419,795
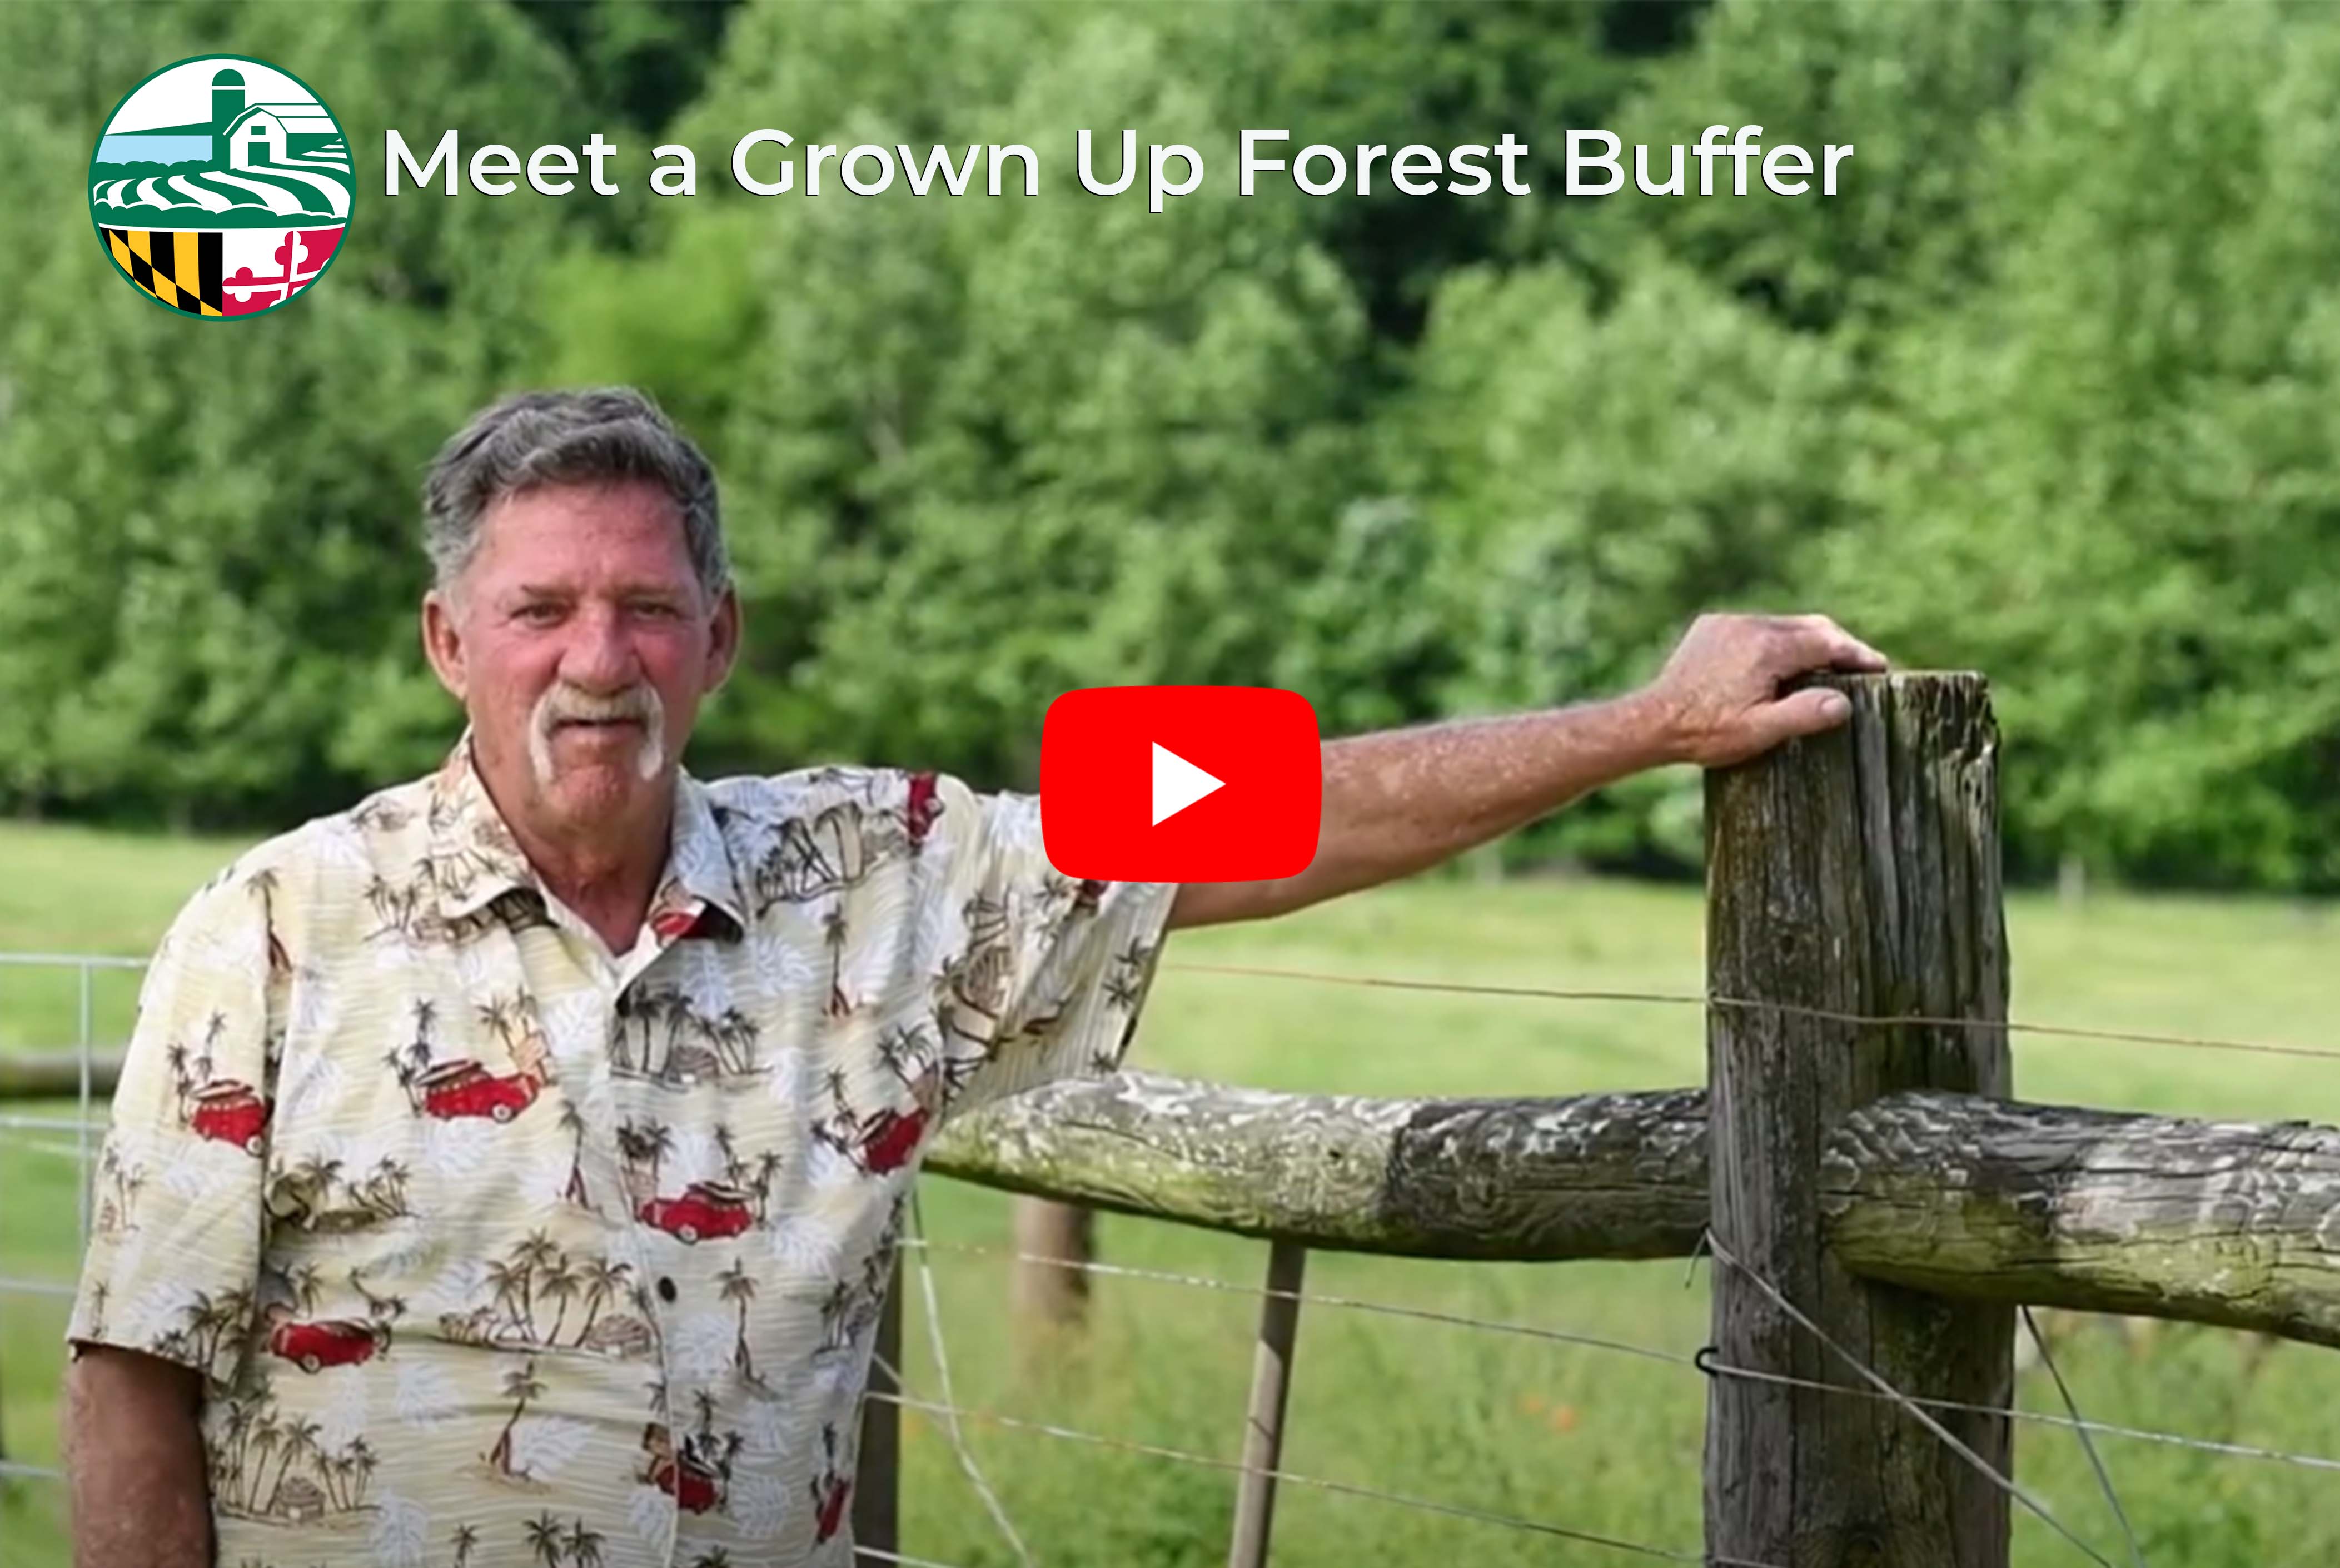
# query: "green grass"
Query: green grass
74,891
1588,1439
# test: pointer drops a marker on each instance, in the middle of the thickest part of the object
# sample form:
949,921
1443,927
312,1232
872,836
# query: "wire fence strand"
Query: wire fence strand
1745,1004
1700,1362
1714,1368
1989,1471
1346,1488
2087,1443
940,1351
1316,1298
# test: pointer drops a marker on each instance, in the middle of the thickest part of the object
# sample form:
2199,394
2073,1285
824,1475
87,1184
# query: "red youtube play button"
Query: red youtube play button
1180,783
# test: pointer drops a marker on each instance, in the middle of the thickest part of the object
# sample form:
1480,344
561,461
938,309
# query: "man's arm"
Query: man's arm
134,1452
1404,800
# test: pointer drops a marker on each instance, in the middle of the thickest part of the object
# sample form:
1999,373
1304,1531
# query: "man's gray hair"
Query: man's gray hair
603,435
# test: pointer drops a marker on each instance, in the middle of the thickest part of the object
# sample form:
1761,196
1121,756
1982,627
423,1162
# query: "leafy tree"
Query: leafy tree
1912,88
1599,478
2108,479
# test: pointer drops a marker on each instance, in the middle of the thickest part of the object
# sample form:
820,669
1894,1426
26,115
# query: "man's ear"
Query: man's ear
723,644
442,644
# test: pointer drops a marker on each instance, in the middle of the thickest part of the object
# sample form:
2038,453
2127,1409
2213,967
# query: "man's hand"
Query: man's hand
1718,699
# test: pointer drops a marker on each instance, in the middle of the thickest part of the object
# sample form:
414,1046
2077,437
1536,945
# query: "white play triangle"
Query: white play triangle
1179,783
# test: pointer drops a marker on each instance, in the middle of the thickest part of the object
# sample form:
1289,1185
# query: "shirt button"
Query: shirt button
666,1287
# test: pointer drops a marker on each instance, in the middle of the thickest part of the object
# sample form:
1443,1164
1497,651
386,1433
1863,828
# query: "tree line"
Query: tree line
2049,390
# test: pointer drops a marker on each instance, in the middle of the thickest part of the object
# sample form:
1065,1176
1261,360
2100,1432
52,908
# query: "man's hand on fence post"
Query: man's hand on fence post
1717,700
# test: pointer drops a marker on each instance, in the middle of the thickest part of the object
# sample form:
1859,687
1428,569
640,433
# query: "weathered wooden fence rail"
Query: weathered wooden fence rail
2229,1223
1857,1151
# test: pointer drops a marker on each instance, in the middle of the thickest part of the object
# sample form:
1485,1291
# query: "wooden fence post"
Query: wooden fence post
1046,1298
1271,1389
877,1468
1858,873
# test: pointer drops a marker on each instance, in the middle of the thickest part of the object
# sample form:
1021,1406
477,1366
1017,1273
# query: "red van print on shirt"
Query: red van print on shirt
229,1112
704,1210
313,1346
453,1089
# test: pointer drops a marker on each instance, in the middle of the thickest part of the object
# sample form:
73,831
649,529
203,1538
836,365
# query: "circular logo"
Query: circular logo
221,186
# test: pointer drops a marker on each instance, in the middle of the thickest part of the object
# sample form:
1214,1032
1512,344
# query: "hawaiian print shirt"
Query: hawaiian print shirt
497,1249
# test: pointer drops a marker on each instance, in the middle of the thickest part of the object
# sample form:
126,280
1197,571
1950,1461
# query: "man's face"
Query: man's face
579,642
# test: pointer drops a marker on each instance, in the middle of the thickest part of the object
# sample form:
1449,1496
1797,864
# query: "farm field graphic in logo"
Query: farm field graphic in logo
221,186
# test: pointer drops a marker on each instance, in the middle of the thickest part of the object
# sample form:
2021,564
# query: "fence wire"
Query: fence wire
1703,1361
1948,1439
1786,1010
1713,1367
1392,1309
1346,1488
941,1351
2087,1443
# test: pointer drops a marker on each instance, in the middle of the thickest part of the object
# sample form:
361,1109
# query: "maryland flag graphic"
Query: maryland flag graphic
221,186
179,267
221,272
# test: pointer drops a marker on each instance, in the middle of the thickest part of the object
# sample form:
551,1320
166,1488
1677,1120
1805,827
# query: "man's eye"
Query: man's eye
657,609
540,614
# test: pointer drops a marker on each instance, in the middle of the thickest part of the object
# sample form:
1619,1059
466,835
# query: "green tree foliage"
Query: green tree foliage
2109,477
1597,478
1911,88
646,60
2047,391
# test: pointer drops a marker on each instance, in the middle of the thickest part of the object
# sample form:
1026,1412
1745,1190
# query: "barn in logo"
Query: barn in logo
221,186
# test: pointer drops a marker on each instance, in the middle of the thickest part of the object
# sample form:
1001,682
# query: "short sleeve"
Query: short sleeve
1063,966
173,1258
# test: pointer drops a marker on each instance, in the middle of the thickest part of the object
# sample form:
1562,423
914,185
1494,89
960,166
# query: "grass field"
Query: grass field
1590,1440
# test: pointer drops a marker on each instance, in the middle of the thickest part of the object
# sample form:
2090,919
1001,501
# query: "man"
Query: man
509,1168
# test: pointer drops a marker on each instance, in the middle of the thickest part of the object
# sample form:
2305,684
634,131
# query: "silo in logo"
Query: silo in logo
221,186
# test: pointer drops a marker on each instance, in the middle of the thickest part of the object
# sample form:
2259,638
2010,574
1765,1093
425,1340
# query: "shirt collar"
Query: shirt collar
473,858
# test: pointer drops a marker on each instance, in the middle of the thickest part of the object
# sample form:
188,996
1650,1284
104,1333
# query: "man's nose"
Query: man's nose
599,655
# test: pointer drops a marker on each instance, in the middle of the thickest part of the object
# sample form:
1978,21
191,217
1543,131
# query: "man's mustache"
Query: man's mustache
565,704
571,705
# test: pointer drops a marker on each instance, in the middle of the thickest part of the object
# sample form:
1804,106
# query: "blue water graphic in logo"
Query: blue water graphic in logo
136,148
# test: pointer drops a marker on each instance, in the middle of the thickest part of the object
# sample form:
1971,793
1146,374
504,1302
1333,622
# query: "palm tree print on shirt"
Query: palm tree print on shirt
553,1546
535,1275
318,1195
738,1285
519,1387
121,1182
885,1138
661,1035
270,1465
